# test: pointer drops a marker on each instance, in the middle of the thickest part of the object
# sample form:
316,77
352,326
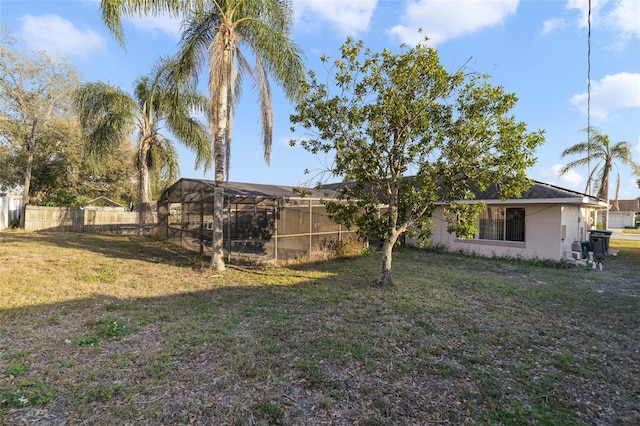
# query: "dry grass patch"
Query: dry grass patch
121,330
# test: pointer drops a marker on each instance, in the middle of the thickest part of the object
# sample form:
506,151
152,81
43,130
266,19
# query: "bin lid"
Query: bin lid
600,231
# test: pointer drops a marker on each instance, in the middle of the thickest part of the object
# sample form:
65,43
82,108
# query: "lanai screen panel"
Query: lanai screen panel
260,221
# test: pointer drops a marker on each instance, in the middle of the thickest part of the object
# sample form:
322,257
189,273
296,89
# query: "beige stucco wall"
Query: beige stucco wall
550,229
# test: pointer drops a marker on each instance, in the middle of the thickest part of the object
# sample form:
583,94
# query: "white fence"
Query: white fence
10,208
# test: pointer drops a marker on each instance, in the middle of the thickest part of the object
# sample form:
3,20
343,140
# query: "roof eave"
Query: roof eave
583,201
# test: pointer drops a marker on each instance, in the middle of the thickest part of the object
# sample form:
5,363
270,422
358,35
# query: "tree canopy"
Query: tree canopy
38,126
406,134
600,155
109,115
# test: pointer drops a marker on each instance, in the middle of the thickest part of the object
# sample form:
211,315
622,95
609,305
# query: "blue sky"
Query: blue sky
534,48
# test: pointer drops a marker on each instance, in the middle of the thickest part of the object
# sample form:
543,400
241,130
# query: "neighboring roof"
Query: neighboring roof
104,201
626,205
240,191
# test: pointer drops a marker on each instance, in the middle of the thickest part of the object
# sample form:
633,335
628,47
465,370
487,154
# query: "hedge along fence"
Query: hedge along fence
92,220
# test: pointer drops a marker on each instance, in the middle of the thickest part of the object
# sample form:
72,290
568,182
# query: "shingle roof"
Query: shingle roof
627,205
537,191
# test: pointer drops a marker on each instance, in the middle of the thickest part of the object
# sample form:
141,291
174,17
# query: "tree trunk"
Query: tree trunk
144,187
221,109
31,146
217,255
386,277
604,194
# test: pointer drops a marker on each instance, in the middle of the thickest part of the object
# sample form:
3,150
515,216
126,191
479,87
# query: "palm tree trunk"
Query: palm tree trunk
144,187
220,155
604,194
31,146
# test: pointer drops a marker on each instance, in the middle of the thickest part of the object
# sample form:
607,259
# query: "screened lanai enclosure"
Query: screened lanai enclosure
261,222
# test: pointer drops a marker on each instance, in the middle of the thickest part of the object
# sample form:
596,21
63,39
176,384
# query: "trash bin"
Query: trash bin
597,245
603,234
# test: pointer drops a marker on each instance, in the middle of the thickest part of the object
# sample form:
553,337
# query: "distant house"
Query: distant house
542,224
625,215
104,203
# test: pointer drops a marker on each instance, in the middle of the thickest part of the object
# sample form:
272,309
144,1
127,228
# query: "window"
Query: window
502,224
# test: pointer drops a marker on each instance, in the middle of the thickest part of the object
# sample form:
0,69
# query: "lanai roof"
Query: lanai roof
240,191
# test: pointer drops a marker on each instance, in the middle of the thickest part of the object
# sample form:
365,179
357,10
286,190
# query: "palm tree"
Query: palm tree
599,153
108,115
213,33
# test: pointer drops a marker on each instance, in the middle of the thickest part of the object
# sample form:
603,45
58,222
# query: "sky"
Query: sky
536,49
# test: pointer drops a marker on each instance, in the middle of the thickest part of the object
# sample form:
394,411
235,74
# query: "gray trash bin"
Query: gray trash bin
605,236
598,245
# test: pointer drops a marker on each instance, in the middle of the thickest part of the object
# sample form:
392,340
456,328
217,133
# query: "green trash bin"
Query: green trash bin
585,248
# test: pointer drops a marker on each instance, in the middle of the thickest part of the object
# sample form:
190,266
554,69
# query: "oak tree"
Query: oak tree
405,134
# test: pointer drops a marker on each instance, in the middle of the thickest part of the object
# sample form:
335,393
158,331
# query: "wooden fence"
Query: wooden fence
74,219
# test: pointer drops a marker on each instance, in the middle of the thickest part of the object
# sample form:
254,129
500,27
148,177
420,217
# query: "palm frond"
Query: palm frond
113,10
164,157
268,36
106,114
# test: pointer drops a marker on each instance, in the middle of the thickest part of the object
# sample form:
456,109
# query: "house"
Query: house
278,222
104,203
542,224
625,215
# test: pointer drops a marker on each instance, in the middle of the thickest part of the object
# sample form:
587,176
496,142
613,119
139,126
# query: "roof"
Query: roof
104,201
626,205
538,193
541,192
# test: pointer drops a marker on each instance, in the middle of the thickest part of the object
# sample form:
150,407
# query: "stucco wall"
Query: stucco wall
545,235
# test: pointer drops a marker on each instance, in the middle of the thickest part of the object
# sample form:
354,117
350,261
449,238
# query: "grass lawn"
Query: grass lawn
121,330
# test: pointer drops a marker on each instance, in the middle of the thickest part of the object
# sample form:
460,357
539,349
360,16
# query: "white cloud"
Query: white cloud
628,187
621,17
349,17
625,18
442,20
570,180
612,93
55,35
583,7
550,25
163,23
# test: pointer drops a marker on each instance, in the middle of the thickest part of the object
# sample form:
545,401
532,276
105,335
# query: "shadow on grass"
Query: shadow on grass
148,249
